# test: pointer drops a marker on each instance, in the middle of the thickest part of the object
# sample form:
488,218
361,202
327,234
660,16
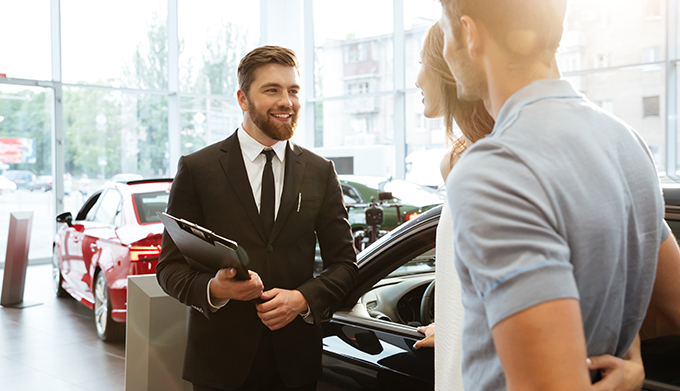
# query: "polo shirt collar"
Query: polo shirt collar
252,148
533,92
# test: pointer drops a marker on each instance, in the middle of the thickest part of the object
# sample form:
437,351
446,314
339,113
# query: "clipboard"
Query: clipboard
205,250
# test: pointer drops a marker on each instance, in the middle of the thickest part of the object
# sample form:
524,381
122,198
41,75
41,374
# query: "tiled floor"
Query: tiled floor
54,346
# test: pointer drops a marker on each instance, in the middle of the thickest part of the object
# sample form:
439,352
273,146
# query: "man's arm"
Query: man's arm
663,313
334,234
543,347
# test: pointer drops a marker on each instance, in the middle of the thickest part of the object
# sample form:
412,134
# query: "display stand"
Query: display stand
16,260
155,338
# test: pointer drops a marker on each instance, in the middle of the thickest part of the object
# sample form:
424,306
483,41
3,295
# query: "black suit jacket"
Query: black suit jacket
211,189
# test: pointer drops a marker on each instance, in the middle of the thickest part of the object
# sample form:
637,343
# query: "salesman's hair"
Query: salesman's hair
262,56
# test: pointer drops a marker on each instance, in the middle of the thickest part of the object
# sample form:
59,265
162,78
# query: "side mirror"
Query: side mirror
65,217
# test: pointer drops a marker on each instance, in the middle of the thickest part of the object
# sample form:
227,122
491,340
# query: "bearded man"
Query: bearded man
275,199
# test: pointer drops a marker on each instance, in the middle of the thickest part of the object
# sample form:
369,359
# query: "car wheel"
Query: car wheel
107,329
57,279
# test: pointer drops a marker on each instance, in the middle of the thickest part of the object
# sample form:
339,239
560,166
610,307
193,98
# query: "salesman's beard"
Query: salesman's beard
270,127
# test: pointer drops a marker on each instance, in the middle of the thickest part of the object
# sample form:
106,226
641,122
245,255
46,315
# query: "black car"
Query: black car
368,343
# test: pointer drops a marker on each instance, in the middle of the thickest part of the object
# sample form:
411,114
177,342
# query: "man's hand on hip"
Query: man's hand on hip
281,307
223,286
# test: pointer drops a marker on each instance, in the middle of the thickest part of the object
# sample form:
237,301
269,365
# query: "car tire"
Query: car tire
107,329
57,279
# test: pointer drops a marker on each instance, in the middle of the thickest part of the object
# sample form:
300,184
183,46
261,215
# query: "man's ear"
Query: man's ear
472,36
242,100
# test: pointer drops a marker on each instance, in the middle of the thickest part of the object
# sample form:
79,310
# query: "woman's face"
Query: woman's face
428,82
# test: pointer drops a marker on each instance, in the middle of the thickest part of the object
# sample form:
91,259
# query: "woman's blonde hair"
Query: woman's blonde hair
471,117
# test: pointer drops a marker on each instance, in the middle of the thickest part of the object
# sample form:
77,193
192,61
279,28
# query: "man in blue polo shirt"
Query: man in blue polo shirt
557,215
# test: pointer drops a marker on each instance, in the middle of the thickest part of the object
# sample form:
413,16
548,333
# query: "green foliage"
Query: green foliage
28,114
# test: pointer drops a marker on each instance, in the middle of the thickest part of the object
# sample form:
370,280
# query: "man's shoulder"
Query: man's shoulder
214,149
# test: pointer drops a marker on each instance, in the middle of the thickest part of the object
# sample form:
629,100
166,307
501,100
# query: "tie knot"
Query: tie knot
269,153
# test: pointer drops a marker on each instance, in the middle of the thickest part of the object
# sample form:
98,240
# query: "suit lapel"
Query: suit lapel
292,181
237,177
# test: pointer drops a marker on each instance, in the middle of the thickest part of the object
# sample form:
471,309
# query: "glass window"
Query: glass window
214,35
25,155
104,43
207,121
353,50
109,133
602,34
25,44
357,121
418,17
108,207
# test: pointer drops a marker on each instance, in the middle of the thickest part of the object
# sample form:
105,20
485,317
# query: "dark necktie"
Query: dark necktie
267,196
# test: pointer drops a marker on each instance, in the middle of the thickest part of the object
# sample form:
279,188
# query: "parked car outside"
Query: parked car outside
6,184
368,342
42,183
115,234
22,178
413,198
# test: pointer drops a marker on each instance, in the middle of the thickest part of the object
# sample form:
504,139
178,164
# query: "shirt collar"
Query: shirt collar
531,93
252,148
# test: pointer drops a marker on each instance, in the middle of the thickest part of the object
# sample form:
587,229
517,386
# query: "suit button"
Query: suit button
270,248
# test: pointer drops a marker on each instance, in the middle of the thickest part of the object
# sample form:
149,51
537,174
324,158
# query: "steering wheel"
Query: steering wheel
427,305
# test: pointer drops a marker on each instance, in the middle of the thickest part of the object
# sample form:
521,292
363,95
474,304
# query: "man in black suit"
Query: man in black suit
274,199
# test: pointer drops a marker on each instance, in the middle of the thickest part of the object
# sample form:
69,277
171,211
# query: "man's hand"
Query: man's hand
223,286
625,374
281,307
428,341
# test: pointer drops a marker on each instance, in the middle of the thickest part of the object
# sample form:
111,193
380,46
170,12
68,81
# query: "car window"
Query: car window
109,208
411,193
423,263
89,210
350,195
147,204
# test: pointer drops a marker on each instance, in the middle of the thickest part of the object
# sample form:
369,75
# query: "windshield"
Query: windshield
424,263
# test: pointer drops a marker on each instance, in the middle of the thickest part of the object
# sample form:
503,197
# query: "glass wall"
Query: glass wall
115,91
26,163
118,83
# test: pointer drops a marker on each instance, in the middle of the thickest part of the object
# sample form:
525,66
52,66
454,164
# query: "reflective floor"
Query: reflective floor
54,346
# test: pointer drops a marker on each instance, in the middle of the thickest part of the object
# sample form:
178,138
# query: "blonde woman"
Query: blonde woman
440,100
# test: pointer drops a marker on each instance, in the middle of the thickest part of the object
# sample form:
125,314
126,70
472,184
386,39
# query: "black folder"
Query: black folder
205,250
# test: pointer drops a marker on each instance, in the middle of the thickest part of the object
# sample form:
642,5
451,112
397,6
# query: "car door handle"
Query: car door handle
93,247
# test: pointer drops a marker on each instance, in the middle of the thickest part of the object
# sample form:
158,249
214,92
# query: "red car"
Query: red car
116,234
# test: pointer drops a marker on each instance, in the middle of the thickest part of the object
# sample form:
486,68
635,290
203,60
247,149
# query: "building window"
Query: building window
650,106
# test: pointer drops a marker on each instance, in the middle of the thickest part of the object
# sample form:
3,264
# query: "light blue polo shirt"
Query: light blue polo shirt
562,200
